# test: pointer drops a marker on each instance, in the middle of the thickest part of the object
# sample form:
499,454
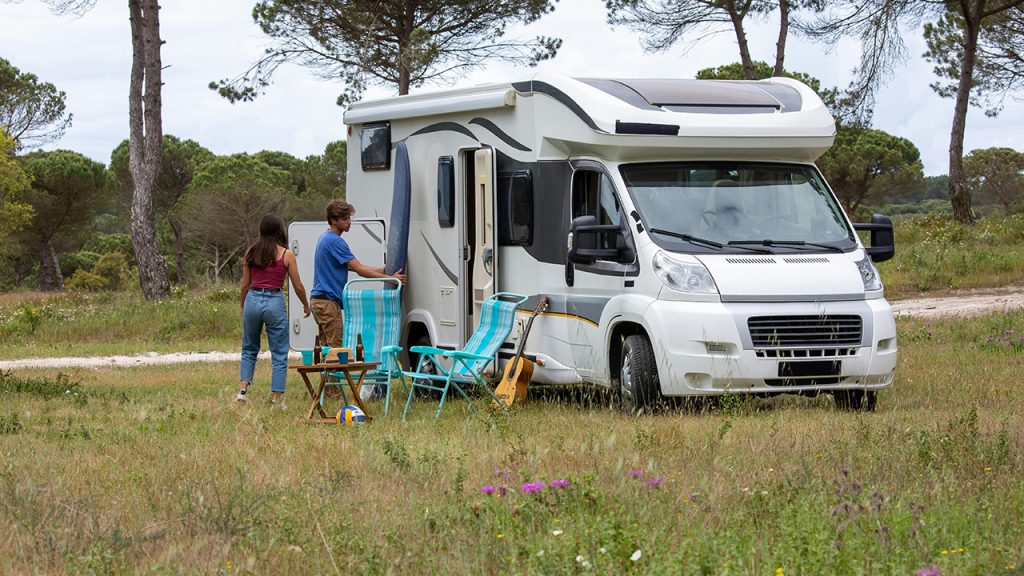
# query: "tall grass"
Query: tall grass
935,253
157,469
75,323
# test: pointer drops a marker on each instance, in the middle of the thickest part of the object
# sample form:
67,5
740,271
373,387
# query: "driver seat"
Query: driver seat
728,201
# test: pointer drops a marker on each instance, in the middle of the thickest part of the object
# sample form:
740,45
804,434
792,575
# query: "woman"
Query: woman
264,267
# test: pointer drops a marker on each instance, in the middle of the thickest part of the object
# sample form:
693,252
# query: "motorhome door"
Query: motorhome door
368,243
483,256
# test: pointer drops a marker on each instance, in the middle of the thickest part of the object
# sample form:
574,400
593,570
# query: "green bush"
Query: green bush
85,281
75,261
112,267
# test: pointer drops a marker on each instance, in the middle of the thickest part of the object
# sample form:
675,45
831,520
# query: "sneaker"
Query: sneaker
278,405
241,397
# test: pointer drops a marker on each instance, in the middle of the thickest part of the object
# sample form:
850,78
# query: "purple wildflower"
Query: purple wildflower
654,482
635,473
531,487
928,571
487,489
559,483
1011,331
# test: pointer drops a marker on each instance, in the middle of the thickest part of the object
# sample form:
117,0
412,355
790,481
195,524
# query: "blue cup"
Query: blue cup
323,353
343,357
307,357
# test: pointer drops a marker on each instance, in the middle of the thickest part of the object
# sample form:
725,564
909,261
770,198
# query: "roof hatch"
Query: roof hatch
701,96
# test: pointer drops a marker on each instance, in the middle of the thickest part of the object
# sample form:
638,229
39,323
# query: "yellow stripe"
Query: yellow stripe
560,315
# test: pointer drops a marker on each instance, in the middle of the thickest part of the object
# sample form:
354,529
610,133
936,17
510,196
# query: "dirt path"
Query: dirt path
962,303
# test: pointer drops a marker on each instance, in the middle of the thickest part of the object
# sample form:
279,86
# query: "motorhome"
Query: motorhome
685,239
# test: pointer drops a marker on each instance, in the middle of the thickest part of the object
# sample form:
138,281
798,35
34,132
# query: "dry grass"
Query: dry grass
157,469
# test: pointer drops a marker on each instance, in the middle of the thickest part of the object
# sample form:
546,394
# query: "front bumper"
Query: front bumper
705,348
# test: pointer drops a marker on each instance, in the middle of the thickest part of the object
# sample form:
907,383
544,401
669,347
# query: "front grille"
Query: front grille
833,330
804,352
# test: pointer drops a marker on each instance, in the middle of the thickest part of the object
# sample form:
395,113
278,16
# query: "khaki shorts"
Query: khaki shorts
329,319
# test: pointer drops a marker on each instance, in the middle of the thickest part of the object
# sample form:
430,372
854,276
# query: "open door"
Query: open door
483,263
367,241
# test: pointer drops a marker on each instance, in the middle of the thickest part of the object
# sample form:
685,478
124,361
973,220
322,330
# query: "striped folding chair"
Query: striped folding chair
497,316
375,317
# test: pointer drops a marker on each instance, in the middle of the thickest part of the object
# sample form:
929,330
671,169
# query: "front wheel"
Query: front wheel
639,386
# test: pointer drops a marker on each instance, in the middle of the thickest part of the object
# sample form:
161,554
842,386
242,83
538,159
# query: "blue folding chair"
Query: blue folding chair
375,317
497,315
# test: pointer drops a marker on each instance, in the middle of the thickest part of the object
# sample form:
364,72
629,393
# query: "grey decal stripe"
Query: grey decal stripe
445,127
545,88
372,235
451,275
493,128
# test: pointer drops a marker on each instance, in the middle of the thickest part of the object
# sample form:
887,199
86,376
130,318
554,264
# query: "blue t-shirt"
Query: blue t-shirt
330,266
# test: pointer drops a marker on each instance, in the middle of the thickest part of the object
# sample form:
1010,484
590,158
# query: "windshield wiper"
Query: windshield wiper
787,243
704,241
689,238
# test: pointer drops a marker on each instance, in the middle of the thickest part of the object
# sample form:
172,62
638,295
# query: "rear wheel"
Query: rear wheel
856,400
639,386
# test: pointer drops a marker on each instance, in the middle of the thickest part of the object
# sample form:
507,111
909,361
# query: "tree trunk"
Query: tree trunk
50,277
179,250
780,45
959,196
741,40
405,49
145,141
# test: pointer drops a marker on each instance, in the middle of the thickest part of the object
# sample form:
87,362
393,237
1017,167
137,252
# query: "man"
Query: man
331,263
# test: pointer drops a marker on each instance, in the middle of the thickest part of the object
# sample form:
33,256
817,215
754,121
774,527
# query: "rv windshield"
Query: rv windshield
734,206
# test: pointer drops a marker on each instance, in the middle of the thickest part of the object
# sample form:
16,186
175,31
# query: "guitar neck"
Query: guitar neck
526,329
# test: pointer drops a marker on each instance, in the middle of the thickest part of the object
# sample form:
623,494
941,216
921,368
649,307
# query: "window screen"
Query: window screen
446,191
376,146
515,205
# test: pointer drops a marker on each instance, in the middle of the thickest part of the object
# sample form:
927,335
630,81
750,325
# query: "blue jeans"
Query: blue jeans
265,309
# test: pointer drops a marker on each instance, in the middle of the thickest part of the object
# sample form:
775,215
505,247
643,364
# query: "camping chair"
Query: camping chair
497,314
375,317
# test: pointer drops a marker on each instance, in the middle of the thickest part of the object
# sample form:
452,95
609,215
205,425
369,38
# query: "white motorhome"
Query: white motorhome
685,239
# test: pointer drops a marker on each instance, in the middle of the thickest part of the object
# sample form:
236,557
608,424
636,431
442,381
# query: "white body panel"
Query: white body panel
701,342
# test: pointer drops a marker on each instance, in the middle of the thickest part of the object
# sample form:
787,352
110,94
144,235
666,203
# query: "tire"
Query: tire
639,386
414,362
856,400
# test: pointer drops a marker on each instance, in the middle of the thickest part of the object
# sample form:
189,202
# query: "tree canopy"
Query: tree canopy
665,23
227,197
996,173
867,165
14,183
401,43
976,44
67,190
33,112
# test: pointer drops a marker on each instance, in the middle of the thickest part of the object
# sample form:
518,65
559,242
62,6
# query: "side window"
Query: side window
594,195
446,191
515,208
375,142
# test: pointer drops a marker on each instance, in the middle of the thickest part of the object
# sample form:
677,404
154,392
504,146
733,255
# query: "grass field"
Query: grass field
158,470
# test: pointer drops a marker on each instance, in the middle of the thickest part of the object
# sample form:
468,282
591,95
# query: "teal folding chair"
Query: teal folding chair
375,317
497,316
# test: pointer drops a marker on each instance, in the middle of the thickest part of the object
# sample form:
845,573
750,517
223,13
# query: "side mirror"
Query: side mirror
585,238
883,239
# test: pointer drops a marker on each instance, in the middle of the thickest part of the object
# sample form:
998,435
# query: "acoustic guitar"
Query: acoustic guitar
518,371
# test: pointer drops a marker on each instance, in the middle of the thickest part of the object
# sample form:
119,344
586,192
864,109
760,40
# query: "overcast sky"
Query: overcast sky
89,58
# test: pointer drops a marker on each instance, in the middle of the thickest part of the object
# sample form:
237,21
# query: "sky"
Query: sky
89,58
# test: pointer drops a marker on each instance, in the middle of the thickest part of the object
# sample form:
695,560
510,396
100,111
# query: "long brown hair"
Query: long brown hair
263,252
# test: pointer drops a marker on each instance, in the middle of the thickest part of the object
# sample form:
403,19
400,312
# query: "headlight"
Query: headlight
684,277
869,274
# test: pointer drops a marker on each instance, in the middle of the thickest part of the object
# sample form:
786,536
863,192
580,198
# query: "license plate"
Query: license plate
810,368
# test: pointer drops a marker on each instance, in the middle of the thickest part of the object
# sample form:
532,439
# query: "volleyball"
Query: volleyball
351,415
